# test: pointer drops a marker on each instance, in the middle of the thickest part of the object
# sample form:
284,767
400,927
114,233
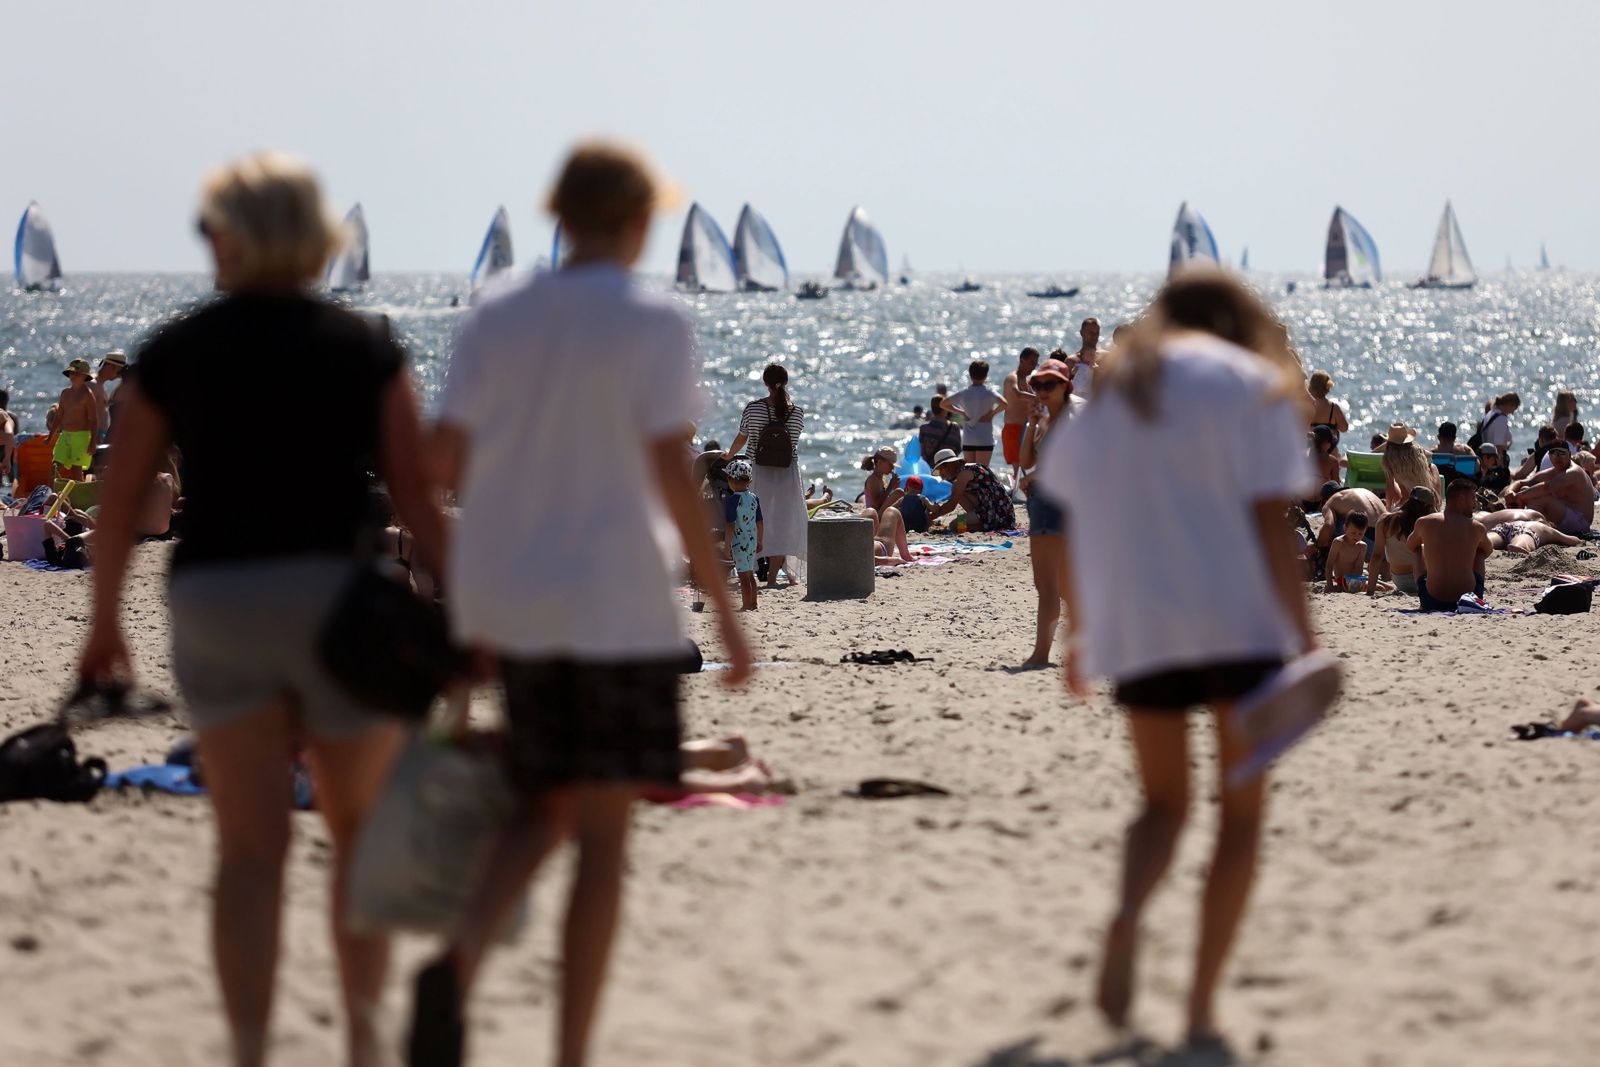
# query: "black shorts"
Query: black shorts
576,722
1181,689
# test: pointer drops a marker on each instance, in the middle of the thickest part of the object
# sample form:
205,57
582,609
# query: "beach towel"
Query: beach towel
158,778
45,565
955,548
733,801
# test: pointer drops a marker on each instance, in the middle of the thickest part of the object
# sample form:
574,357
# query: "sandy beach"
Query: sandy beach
1424,899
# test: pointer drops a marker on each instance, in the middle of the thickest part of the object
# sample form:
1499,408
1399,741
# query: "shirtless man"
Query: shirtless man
105,387
80,423
1564,493
1018,399
1450,550
1338,504
1086,360
8,437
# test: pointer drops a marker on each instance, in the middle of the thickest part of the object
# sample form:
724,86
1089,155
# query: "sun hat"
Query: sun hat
886,453
1486,449
78,366
116,357
945,455
1051,368
1401,434
739,470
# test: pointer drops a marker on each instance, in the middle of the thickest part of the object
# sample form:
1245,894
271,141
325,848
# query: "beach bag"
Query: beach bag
773,445
1567,595
387,647
426,839
1475,442
41,763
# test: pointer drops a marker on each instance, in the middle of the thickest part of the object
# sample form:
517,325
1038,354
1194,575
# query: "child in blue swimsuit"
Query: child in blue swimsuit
742,512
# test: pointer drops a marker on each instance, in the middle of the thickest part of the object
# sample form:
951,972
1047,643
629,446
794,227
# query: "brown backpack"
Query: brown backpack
774,448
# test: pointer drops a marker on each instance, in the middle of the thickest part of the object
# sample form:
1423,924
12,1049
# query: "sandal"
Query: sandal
895,788
885,657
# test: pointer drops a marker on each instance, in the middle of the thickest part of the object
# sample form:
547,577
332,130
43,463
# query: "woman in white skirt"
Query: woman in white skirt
769,434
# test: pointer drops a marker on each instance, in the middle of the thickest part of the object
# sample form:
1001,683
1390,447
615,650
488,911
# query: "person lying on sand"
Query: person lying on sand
1564,493
1451,549
1521,530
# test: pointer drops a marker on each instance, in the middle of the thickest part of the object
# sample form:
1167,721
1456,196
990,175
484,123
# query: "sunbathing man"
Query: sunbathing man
1564,493
1521,530
1347,558
1450,550
80,423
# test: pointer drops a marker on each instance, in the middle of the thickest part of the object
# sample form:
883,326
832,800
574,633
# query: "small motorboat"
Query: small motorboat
967,286
810,291
1055,292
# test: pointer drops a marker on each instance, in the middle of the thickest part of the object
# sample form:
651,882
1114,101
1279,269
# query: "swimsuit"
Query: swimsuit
1429,603
1573,522
1510,531
75,449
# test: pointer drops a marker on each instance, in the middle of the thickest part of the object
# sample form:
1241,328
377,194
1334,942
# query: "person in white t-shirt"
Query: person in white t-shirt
978,405
563,579
1181,579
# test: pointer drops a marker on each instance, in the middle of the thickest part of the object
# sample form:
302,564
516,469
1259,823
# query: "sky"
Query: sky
997,136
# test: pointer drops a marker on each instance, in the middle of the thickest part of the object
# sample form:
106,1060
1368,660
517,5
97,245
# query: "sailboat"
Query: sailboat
1192,240
1244,259
863,259
494,257
35,263
350,268
757,258
1449,267
1351,259
905,270
1544,257
705,262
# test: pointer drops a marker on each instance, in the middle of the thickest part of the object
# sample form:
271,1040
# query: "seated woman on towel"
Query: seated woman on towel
883,488
1391,558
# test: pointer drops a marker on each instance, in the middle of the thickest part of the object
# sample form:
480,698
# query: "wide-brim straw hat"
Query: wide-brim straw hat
78,366
943,456
1401,434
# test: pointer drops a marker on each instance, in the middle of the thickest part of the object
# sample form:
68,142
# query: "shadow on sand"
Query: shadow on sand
1134,1052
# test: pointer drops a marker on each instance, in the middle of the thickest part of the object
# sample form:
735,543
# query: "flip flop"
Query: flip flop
438,1034
895,788
1281,711
884,657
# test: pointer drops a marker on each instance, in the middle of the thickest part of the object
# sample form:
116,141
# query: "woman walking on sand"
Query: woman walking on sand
1053,385
1182,586
769,435
249,592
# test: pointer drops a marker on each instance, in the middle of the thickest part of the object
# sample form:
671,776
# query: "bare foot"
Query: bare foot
1033,663
1584,713
1114,993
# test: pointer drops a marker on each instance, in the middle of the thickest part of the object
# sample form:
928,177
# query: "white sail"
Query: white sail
863,258
1351,258
705,262
757,258
350,268
495,256
1544,257
1192,240
1449,267
35,263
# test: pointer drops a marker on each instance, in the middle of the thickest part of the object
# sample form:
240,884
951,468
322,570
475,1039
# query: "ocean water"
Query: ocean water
858,361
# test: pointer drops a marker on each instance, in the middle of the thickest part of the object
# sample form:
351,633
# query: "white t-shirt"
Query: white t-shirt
1168,566
1082,380
553,557
976,400
1497,430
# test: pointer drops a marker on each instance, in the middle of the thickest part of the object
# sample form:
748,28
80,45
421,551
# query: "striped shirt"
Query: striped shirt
757,414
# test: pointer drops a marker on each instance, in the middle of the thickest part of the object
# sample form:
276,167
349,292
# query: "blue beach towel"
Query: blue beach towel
158,778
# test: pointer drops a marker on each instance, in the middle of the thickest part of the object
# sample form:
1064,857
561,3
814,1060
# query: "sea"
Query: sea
858,361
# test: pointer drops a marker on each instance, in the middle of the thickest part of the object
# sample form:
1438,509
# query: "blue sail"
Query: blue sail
34,260
495,256
1192,240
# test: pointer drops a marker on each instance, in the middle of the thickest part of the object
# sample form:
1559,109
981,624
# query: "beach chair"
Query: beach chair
1453,467
35,465
85,495
1365,471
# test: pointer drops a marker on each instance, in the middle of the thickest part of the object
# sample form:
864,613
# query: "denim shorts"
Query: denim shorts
1044,518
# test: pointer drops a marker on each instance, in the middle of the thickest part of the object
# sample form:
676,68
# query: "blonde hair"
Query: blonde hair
1320,384
270,204
604,187
1207,301
1408,464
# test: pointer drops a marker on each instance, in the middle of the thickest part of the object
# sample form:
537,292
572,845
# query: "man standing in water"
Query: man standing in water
1019,401
1452,548
80,423
1087,359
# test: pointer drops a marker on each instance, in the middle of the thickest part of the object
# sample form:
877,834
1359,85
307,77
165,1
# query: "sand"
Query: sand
1424,897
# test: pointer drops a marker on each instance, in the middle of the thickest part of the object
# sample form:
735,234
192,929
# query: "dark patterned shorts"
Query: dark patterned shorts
574,722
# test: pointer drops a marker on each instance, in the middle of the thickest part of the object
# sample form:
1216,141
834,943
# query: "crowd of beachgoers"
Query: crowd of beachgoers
1169,482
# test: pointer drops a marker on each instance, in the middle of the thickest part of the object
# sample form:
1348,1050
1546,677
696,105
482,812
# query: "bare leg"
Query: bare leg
1585,713
1161,747
247,779
1545,534
891,527
349,774
601,829
775,564
1233,869
1045,554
